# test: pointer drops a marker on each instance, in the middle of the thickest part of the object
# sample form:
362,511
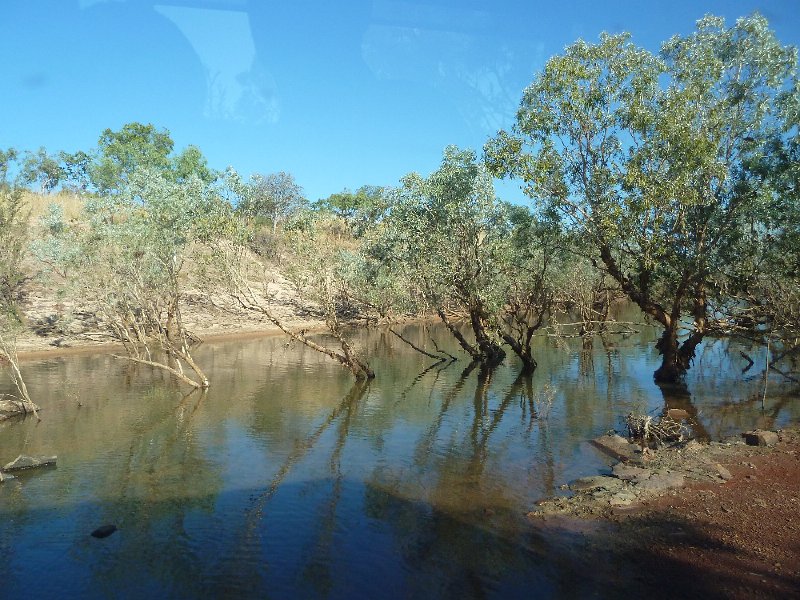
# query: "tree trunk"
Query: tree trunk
523,351
468,348
675,358
491,353
347,357
670,370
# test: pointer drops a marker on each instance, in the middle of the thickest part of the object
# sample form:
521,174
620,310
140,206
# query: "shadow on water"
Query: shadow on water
433,553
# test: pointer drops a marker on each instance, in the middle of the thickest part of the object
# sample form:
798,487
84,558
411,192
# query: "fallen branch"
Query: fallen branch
178,374
415,347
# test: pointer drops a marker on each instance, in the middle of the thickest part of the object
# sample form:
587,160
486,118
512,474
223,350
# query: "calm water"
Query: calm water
286,480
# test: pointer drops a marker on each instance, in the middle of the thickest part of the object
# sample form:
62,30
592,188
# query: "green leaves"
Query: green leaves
272,197
138,147
120,153
660,162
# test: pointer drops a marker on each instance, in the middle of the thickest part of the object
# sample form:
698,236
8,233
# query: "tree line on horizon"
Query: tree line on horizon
669,179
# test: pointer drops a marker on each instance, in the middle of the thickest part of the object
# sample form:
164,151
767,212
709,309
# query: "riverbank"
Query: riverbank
733,535
57,326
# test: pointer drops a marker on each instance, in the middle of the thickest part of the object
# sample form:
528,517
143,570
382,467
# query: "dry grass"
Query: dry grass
38,204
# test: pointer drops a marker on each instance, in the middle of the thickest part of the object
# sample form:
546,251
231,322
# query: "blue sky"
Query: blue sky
339,93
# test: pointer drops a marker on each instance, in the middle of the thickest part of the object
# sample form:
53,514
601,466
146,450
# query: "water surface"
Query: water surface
287,480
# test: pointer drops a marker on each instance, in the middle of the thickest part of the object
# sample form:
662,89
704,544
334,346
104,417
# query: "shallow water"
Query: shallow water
286,480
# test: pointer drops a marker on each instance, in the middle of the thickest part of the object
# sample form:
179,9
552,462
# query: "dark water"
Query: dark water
286,480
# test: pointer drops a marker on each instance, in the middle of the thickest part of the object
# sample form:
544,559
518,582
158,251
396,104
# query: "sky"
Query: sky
339,93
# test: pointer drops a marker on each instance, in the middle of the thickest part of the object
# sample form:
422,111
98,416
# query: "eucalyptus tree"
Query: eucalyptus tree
275,197
42,169
443,237
533,276
317,272
651,159
767,294
133,259
13,240
7,159
361,209
191,163
76,167
134,147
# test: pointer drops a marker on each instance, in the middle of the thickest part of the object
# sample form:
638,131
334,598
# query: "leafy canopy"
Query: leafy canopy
652,158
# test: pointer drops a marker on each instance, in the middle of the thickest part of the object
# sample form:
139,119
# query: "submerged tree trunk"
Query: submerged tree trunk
22,404
523,350
491,353
676,358
347,357
485,350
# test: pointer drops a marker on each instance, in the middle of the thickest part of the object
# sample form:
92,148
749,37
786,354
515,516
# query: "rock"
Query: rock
723,472
678,414
596,482
615,446
623,498
661,482
630,473
13,408
693,446
104,531
5,477
760,438
29,462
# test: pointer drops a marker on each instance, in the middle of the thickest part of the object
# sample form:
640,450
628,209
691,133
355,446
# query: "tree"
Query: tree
41,168
360,209
120,153
7,157
76,169
316,268
133,259
533,275
444,237
652,160
766,295
13,239
192,163
274,197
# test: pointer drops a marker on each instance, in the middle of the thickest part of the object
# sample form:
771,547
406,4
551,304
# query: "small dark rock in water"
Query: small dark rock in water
104,531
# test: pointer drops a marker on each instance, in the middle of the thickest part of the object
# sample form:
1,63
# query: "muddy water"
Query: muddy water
286,480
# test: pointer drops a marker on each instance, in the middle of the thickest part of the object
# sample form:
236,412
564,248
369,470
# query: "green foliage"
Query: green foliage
136,147
361,209
120,153
58,247
7,157
41,168
76,168
192,163
445,241
658,161
272,197
13,240
443,234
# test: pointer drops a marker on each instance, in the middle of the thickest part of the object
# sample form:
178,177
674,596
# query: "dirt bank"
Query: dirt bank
58,325
736,536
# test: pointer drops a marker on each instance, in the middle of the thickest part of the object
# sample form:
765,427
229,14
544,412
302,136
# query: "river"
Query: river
287,480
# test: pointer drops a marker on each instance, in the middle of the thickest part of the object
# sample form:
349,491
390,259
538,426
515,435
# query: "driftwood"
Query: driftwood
436,357
659,431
